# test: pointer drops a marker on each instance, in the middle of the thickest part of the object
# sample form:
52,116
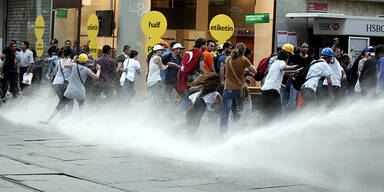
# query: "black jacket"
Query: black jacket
368,74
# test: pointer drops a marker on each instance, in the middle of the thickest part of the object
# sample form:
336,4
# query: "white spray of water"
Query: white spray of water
342,148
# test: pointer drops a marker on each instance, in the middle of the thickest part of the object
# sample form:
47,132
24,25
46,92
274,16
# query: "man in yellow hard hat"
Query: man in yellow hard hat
75,89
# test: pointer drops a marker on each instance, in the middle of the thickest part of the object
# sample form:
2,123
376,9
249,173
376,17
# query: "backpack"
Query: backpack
216,63
262,68
301,78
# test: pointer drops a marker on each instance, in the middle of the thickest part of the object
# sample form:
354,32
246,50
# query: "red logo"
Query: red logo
336,26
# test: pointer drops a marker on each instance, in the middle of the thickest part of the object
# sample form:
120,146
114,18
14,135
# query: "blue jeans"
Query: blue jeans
293,93
230,97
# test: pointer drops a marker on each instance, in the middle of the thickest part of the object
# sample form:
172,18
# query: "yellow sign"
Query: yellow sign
93,48
92,26
39,27
39,47
151,43
92,31
221,28
39,32
154,24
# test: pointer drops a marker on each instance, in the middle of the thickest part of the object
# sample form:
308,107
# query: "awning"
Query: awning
340,24
331,16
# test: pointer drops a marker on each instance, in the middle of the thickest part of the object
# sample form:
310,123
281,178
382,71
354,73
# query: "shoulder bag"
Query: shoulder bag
78,72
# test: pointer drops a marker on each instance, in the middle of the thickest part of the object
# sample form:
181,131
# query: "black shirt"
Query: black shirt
52,51
299,60
9,65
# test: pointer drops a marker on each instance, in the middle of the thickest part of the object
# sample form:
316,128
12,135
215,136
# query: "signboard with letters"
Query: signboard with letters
360,27
257,18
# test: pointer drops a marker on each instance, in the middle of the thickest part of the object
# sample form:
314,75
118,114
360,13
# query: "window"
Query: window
180,14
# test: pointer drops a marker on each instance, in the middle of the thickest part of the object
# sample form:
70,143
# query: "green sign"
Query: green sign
257,18
61,14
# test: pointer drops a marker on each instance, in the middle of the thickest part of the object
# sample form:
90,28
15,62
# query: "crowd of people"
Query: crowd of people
206,78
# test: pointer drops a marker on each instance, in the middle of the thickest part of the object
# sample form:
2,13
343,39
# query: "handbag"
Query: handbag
62,73
244,92
27,78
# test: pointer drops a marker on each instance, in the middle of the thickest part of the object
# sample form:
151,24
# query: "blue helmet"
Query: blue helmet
369,49
327,52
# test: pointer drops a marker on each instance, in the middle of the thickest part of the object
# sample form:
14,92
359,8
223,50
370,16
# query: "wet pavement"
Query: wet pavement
43,160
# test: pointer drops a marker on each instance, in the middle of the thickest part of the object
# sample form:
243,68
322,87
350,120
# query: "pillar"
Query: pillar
129,31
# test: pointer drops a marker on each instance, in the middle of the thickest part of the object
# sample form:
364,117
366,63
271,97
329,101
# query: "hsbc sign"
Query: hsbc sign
362,27
328,27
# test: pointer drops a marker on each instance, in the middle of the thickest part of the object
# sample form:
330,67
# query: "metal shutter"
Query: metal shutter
21,17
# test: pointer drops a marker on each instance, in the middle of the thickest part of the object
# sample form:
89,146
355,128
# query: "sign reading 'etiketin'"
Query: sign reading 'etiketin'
221,28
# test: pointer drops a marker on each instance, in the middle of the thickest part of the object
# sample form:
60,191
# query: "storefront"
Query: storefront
355,32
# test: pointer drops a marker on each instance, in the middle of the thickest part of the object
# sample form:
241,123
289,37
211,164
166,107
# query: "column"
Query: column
129,33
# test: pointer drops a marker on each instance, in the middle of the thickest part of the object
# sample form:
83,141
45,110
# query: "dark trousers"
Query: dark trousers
37,74
9,80
271,103
22,71
65,101
309,96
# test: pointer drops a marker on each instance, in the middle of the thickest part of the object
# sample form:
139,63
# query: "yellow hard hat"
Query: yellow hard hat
83,58
288,48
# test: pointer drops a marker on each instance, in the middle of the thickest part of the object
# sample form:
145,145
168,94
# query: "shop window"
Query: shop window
180,14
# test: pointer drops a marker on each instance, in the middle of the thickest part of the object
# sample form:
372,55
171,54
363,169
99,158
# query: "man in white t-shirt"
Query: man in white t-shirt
270,97
338,75
319,69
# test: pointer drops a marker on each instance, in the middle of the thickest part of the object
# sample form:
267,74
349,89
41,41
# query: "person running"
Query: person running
234,79
319,69
76,89
104,86
204,98
120,67
154,79
9,73
131,66
208,57
171,73
270,91
192,65
62,76
379,73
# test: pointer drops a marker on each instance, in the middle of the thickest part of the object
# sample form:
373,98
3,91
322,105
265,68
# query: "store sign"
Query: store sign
62,13
361,27
257,18
318,7
154,25
39,32
92,31
221,28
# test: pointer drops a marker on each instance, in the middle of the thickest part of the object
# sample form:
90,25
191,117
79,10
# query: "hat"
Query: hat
83,58
165,44
157,47
178,46
370,49
288,48
327,52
